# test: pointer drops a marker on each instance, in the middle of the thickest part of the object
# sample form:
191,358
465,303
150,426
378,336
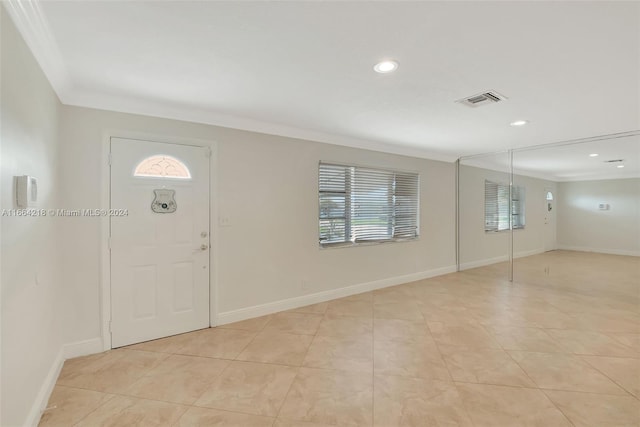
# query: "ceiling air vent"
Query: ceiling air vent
482,99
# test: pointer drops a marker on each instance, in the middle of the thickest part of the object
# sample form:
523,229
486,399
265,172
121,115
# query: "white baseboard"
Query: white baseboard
296,302
523,254
483,262
67,351
33,418
82,348
599,250
502,258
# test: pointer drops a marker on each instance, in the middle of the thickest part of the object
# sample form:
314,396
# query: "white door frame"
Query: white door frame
105,261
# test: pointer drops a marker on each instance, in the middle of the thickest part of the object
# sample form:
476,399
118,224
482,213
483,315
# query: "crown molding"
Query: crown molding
34,28
134,105
32,24
599,177
554,177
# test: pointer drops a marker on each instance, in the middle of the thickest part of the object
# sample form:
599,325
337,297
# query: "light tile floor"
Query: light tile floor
468,349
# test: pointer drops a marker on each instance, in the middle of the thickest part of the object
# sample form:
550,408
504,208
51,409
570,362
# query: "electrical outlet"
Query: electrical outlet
224,221
304,285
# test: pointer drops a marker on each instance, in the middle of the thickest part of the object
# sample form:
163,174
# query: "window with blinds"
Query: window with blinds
497,207
360,204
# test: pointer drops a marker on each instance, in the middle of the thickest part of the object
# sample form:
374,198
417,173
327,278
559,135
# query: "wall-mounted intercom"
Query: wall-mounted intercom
26,191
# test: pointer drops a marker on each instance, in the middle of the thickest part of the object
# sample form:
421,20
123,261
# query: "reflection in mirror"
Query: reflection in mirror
569,204
584,202
484,235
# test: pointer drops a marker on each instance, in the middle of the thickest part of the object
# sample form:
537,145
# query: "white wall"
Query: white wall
582,226
30,248
267,187
480,248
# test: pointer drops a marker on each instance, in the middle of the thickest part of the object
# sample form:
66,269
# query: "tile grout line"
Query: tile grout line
540,389
464,406
605,374
193,405
298,370
438,347
95,409
217,376
265,363
228,410
373,362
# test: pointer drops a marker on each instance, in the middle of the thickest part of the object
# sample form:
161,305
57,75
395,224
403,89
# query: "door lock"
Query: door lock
204,234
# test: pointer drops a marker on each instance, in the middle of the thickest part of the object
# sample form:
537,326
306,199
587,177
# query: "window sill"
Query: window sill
372,243
503,231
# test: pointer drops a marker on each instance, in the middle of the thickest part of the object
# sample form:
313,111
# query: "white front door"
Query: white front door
160,248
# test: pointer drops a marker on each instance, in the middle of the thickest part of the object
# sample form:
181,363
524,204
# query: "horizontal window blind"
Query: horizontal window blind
498,209
360,204
334,184
406,204
517,205
372,198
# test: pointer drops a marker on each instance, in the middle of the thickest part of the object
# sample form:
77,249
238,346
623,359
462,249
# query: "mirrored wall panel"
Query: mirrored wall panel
581,198
484,236
532,215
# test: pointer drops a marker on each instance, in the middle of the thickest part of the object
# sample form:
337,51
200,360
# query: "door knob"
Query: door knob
204,247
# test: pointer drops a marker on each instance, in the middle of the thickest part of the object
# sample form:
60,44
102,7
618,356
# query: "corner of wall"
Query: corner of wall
67,351
40,403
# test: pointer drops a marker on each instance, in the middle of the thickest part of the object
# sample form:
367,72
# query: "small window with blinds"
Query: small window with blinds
366,205
497,208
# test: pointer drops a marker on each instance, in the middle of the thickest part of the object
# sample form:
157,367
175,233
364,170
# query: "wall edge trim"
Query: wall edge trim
502,258
608,251
42,398
67,351
245,313
82,348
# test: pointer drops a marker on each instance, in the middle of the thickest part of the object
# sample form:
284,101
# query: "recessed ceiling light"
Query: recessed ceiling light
620,166
519,123
386,67
594,155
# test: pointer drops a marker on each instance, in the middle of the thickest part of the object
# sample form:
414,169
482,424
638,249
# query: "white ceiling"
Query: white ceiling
304,69
571,162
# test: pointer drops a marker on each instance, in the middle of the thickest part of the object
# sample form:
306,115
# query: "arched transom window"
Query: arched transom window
162,166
